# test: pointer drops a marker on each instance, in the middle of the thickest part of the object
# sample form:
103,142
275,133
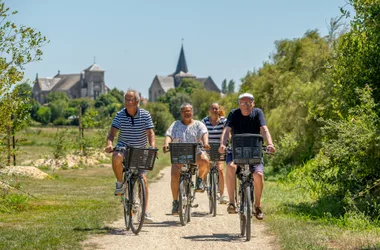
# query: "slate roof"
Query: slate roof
94,67
67,81
47,83
181,65
166,82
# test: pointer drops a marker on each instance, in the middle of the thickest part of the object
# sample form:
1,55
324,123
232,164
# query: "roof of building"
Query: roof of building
181,65
166,82
94,67
66,81
47,83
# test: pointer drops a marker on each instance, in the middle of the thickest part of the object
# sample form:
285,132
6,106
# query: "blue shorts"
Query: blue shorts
257,168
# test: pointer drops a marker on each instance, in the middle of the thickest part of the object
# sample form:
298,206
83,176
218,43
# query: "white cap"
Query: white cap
250,96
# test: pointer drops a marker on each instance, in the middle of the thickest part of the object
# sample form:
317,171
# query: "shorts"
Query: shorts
256,168
125,163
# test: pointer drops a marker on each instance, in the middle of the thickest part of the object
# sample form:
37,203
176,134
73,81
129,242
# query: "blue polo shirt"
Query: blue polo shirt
132,129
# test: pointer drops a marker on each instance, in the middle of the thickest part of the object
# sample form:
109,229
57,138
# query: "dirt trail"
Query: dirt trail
203,232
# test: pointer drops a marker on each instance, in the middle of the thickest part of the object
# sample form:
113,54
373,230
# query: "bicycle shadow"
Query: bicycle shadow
162,224
200,214
104,230
216,237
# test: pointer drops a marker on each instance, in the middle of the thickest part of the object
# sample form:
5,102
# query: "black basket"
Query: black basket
247,148
214,153
142,158
183,153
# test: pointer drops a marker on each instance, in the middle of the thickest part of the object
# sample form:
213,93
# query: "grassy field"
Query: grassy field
60,211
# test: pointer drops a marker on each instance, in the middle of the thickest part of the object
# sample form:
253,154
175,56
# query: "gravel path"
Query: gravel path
203,232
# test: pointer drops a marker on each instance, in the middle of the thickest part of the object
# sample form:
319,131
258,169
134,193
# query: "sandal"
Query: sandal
231,209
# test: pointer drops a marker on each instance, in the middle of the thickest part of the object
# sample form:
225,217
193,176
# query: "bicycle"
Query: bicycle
213,177
134,197
247,150
185,154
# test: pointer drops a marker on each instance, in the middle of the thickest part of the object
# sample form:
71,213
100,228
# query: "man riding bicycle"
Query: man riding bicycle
187,130
245,119
135,127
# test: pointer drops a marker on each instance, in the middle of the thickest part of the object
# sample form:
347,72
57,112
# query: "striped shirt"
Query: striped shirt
214,132
132,130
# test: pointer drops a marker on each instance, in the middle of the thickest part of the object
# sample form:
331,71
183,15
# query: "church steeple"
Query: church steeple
181,65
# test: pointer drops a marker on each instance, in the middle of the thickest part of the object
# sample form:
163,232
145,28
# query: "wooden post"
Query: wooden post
80,129
9,144
14,149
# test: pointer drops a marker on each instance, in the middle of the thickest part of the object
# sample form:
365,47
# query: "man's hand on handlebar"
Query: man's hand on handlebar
206,146
109,149
270,148
222,149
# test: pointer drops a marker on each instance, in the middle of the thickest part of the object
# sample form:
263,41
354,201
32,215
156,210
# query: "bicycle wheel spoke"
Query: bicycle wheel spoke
138,205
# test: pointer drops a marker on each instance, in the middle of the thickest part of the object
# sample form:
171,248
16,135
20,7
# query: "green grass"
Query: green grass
300,223
65,208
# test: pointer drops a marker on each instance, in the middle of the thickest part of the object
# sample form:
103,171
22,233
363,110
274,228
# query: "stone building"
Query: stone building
89,83
161,84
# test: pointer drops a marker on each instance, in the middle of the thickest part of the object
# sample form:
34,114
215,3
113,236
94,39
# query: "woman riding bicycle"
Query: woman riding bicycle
215,123
187,130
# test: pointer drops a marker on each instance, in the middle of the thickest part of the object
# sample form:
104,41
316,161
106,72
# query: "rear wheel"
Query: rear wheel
138,205
183,201
126,206
247,212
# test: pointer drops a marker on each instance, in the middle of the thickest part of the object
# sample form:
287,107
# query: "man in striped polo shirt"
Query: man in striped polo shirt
135,127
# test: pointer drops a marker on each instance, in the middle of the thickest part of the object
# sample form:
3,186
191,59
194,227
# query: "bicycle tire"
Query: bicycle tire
209,193
189,201
247,211
138,204
126,206
243,219
214,188
183,200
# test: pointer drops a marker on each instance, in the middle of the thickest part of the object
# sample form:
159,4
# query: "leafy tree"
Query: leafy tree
188,85
201,100
231,87
57,108
118,94
224,86
161,117
55,96
43,115
19,46
358,54
176,102
105,100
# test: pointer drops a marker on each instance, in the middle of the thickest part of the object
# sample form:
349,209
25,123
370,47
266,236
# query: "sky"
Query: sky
133,41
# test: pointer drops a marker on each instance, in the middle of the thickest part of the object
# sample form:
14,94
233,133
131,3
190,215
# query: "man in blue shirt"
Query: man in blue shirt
245,119
135,127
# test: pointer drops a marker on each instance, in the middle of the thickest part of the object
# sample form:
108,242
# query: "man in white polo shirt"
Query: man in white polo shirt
135,127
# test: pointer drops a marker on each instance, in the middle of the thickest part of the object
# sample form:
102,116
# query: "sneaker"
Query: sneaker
231,209
258,213
147,218
199,186
223,199
119,188
175,207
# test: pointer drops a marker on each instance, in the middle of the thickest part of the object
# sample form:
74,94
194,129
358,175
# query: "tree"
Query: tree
231,87
54,96
19,46
118,94
43,115
105,100
224,86
176,102
161,117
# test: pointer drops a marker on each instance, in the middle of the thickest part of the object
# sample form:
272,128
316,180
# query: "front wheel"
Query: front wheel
247,212
243,218
126,206
214,190
138,205
184,201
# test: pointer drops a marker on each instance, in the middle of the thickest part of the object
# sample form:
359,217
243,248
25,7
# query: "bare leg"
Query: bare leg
220,167
231,181
117,163
258,178
175,174
146,191
203,165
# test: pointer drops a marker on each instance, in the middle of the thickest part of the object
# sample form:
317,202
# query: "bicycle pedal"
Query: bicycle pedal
194,206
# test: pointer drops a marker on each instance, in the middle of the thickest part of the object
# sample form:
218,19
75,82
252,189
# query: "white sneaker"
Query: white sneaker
223,200
147,218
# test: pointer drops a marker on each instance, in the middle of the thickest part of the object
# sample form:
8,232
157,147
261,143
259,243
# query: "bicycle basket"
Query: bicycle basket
183,153
247,148
214,153
142,158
